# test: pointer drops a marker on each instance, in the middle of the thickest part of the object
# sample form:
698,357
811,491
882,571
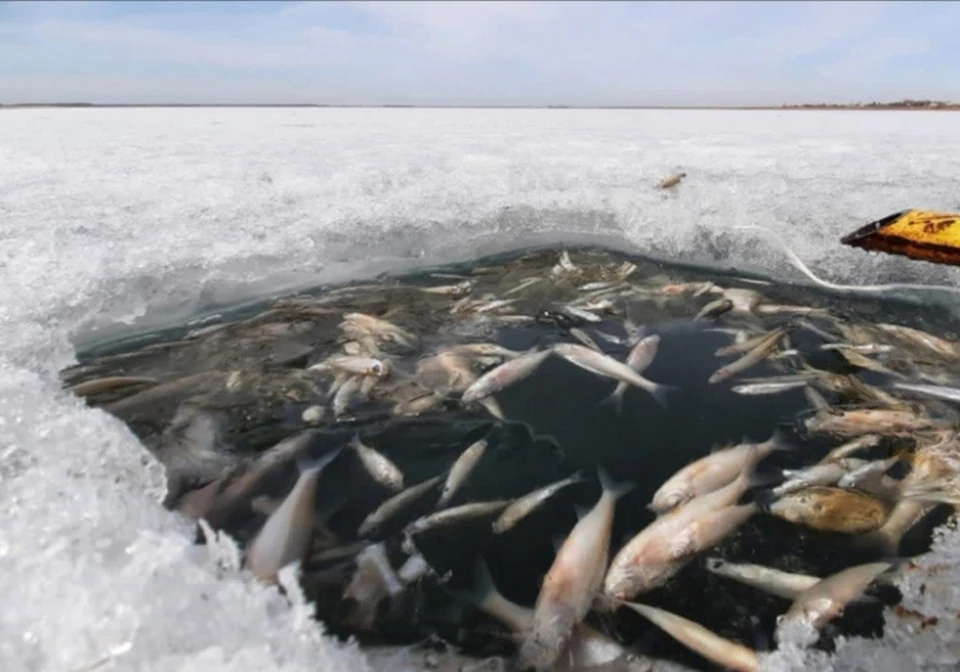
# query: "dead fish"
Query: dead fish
664,546
417,405
285,536
313,415
640,357
525,284
671,181
458,290
827,473
868,421
695,637
97,386
569,587
745,301
711,472
483,350
935,391
864,349
935,344
356,325
869,477
757,389
461,470
587,648
762,350
584,338
505,375
525,505
564,265
828,598
767,579
455,515
713,309
445,373
345,395
351,364
581,313
604,365
831,509
395,505
851,447
886,539
380,468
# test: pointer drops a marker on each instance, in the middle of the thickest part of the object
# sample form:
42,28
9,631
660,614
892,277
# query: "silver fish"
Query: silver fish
584,338
380,468
285,536
345,395
756,389
767,579
763,350
455,515
604,365
571,584
935,391
525,505
461,470
639,358
505,375
694,636
393,506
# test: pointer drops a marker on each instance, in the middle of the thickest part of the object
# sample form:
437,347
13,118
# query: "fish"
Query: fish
455,515
886,539
357,325
588,647
828,598
505,375
380,468
461,470
744,301
715,308
584,338
373,581
769,580
830,509
285,536
713,647
711,472
571,584
870,477
604,365
97,386
312,415
396,504
639,358
525,505
582,314
457,290
671,181
851,447
445,373
760,352
934,344
351,364
344,396
756,389
825,473
661,549
854,422
483,350
863,349
936,391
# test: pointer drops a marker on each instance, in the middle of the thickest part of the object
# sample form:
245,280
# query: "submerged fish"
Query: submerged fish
569,587
285,536
694,636
832,510
855,422
525,505
395,505
760,352
380,468
455,515
461,470
505,375
767,579
828,598
640,357
604,365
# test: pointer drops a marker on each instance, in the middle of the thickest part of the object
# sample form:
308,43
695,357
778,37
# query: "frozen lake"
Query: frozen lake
116,215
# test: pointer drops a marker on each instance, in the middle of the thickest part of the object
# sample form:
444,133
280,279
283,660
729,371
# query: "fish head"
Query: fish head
376,368
667,499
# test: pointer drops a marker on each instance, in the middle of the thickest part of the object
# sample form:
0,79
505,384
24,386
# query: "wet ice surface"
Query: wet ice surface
109,212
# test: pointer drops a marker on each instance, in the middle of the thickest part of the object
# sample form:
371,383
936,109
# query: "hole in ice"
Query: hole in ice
232,405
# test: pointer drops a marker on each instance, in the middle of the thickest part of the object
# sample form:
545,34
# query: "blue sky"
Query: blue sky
470,53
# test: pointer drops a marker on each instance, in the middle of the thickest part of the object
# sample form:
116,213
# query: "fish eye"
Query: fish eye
377,369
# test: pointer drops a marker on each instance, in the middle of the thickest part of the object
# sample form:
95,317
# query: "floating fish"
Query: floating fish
380,468
760,352
639,358
395,505
461,470
455,515
505,375
832,510
767,579
525,505
604,365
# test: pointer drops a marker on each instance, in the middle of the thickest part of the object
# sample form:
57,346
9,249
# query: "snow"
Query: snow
116,216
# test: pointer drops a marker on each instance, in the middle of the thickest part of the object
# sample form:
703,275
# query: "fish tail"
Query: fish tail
780,442
615,489
318,463
615,399
660,392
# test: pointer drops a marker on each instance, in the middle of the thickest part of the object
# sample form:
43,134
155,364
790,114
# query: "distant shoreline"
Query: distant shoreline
912,106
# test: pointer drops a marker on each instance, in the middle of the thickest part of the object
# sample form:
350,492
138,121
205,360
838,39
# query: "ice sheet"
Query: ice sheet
106,213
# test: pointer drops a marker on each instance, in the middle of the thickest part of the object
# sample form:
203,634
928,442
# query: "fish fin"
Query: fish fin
618,490
661,392
581,511
615,399
318,463
816,399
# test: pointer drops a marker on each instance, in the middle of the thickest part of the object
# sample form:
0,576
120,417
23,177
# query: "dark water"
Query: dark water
556,426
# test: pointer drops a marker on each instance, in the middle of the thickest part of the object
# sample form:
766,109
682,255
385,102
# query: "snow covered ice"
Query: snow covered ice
115,216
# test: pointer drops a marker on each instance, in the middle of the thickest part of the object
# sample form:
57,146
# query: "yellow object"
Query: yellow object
918,234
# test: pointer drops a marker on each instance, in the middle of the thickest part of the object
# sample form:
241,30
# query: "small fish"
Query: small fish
100,385
671,181
345,395
593,286
826,473
505,375
569,587
285,536
564,265
525,505
935,391
864,349
762,350
584,338
869,477
351,364
711,472
745,301
604,365
757,389
868,421
715,308
455,515
461,470
831,509
356,325
380,468
851,447
828,598
458,290
713,647
640,357
661,549
483,350
395,505
529,282
773,581
581,314
935,344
